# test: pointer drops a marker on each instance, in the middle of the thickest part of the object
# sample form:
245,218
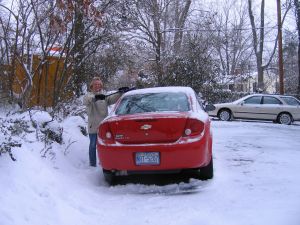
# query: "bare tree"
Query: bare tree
232,38
258,35
158,25
5,44
21,33
77,28
181,14
290,59
85,18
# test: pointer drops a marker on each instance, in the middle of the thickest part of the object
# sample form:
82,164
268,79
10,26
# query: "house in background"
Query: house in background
248,82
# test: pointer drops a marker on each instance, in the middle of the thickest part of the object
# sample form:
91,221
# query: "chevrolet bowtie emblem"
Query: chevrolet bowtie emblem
146,127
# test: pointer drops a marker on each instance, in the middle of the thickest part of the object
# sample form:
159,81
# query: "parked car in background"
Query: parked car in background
278,108
156,130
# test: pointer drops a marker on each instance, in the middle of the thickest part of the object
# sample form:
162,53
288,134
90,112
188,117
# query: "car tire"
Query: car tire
224,115
285,118
109,177
207,172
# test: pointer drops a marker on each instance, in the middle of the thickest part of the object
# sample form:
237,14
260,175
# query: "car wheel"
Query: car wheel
285,118
109,177
207,172
224,115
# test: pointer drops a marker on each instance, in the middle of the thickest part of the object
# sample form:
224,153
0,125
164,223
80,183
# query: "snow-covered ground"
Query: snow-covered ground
256,182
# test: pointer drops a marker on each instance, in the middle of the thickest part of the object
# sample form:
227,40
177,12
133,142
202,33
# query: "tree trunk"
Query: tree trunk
158,41
258,42
260,75
179,25
78,49
297,12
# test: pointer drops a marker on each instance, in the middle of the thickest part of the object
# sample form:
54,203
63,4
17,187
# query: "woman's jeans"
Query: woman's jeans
92,149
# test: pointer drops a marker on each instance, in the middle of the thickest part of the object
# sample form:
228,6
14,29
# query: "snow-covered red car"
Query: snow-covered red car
156,130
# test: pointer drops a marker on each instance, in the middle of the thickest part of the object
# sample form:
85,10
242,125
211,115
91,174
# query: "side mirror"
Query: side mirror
209,108
242,103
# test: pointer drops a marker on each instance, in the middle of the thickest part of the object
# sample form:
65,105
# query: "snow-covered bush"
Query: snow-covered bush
42,131
10,132
31,126
72,108
52,131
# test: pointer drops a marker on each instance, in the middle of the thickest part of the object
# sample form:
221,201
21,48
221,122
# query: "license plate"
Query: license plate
147,158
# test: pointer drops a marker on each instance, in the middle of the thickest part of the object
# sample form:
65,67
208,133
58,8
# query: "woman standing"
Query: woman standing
97,109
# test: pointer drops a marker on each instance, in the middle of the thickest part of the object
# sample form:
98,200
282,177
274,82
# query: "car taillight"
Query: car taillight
193,127
105,133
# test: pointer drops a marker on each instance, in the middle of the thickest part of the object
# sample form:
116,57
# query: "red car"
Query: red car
156,130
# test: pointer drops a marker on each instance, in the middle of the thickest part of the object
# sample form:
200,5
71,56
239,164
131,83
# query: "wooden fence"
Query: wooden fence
49,82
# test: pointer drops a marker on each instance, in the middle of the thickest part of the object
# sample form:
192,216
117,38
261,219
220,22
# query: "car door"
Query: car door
271,107
249,108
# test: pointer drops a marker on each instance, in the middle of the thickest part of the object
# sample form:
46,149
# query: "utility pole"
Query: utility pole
280,57
297,9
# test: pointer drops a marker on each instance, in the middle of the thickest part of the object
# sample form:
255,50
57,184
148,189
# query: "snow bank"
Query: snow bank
255,183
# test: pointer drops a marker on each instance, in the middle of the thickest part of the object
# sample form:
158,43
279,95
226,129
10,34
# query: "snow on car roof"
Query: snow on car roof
262,94
186,90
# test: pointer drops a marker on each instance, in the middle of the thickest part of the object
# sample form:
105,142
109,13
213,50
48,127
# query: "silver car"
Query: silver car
278,108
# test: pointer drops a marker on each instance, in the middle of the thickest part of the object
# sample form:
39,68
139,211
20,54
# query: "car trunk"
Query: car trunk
148,128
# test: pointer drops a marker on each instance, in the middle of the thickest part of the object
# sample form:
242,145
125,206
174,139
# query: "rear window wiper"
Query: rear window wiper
145,109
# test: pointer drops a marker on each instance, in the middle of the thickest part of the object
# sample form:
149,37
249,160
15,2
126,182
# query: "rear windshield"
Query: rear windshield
291,100
153,102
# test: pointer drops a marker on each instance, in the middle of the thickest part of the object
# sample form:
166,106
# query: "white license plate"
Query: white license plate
147,158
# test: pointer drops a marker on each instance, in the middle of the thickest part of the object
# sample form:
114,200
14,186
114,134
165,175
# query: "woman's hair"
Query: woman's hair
95,79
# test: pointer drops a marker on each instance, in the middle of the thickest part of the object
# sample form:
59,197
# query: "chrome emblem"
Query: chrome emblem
146,127
119,136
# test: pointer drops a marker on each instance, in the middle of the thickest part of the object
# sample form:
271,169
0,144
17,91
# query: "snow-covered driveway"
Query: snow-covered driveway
256,182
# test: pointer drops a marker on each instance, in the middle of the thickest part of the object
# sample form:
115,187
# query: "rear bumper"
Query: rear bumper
176,156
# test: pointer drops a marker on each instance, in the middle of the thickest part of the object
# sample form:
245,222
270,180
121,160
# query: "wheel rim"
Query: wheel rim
225,115
285,119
